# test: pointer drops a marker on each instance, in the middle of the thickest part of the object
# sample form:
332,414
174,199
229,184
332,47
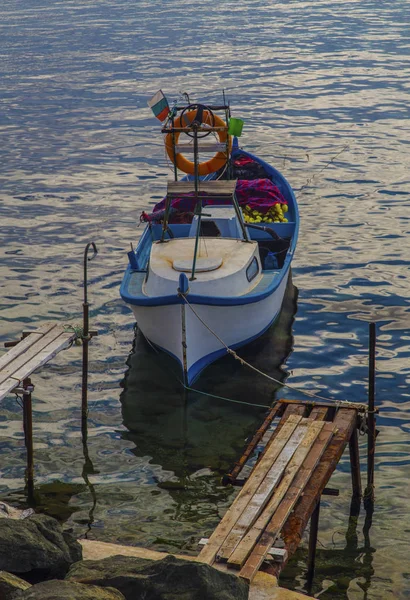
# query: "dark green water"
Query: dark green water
323,88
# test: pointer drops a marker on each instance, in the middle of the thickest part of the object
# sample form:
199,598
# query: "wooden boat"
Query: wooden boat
211,268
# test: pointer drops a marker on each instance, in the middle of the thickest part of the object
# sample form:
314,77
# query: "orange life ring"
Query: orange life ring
188,166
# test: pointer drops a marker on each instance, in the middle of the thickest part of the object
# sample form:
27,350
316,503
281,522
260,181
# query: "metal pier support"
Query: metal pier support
86,333
28,435
314,526
355,465
371,419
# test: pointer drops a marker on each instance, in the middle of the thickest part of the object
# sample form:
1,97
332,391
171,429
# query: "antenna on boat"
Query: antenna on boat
186,96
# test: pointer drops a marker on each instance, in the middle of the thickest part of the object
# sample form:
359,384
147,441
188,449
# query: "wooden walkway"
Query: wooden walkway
33,351
284,487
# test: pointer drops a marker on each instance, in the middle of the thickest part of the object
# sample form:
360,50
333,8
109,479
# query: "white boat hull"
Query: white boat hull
177,330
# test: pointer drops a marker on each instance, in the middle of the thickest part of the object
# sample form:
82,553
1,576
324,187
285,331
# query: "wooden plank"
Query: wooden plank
280,516
33,349
262,493
24,344
292,531
291,409
62,341
319,413
246,545
220,187
232,476
208,554
308,403
345,423
189,148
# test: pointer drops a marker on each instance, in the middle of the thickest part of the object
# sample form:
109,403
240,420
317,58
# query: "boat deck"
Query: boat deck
134,285
232,255
268,517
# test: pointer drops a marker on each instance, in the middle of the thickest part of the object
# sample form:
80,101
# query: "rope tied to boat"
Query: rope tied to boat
360,407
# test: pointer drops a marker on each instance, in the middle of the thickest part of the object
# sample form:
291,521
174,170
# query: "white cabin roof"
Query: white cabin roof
233,256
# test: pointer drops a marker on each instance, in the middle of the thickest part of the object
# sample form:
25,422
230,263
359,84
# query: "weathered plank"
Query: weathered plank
24,345
30,352
292,531
189,148
218,187
232,476
54,346
208,554
262,493
246,545
319,413
290,410
280,516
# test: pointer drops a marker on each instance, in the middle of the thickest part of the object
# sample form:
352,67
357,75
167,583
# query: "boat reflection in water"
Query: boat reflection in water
184,431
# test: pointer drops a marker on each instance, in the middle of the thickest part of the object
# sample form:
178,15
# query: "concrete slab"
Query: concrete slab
263,587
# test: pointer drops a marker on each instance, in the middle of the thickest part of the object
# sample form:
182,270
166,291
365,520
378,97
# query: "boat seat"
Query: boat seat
208,189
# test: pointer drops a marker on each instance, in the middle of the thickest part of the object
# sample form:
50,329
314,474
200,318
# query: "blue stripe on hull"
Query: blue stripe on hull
196,369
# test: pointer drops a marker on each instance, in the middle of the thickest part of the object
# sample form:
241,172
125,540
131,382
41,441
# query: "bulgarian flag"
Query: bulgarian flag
159,106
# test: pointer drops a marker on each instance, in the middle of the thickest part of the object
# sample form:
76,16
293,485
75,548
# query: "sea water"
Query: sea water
323,89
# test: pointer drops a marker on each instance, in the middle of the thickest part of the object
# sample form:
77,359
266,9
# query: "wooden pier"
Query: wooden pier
265,523
34,350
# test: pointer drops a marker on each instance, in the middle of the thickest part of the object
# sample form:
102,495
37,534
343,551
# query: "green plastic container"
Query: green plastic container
235,127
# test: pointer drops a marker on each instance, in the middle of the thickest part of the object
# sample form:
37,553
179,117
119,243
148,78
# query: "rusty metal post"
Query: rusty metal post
88,469
86,333
371,419
28,436
355,465
314,526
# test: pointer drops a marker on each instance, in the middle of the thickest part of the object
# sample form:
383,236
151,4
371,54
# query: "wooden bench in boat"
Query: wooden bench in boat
33,351
284,487
217,188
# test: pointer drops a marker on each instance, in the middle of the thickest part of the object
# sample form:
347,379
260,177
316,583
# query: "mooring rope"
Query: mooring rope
357,405
224,398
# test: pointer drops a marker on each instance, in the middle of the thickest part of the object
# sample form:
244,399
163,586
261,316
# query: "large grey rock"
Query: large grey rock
11,587
69,590
166,579
37,547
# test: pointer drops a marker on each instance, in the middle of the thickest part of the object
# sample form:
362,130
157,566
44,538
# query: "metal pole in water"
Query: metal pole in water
86,334
28,436
198,206
314,526
371,419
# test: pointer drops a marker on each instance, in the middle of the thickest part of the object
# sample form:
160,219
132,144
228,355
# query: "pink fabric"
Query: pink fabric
258,194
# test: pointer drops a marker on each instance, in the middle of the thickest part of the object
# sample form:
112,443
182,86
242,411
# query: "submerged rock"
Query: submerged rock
167,579
69,590
37,547
11,587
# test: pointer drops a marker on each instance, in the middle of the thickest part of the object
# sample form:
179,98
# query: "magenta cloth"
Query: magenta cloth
258,194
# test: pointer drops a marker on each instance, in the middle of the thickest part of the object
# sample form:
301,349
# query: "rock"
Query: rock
167,579
11,586
69,590
37,547
9,512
